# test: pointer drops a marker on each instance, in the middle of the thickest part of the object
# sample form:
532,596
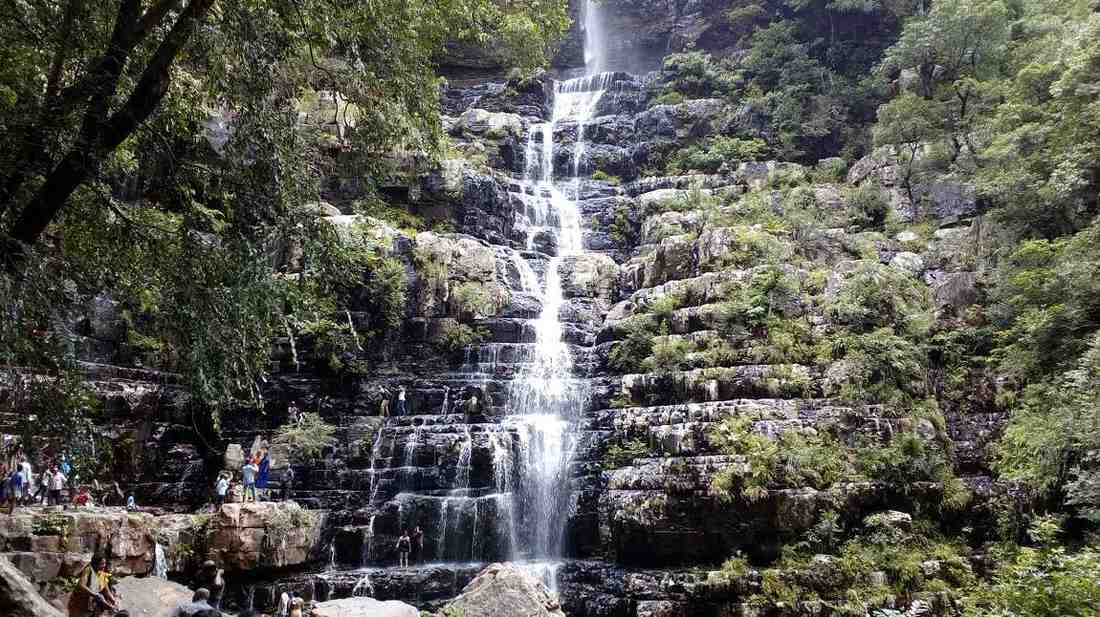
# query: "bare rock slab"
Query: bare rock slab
364,607
504,590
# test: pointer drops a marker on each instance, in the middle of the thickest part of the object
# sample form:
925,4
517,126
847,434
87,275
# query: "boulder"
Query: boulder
504,590
18,596
363,607
151,595
908,262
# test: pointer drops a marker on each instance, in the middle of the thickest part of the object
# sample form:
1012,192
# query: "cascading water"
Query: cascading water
546,397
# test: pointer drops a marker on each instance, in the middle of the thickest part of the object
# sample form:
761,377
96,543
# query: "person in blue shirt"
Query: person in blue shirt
15,488
262,473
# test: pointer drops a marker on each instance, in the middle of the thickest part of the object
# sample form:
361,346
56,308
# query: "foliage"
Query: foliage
602,176
111,156
1045,581
669,355
714,152
1048,304
306,440
623,454
791,460
876,296
695,75
454,337
473,301
875,367
629,354
1054,435
867,207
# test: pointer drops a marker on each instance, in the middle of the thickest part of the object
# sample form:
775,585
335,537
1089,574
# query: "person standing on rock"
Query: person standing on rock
288,482
248,476
28,480
401,401
284,605
383,403
221,489
403,545
262,471
15,488
57,484
417,538
296,604
43,495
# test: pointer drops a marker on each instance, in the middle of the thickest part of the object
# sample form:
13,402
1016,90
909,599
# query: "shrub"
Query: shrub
830,170
709,155
749,246
603,176
455,337
629,354
306,440
669,355
473,301
668,98
697,74
663,308
793,460
876,295
622,455
866,205
1047,581
876,367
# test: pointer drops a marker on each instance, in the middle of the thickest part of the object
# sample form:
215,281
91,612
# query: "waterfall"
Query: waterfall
160,564
545,397
595,57
363,587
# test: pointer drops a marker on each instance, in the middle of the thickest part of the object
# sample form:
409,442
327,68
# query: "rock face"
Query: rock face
252,535
504,590
640,531
49,545
362,607
18,596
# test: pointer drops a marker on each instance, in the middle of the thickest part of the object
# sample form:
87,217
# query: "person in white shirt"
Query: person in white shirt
222,489
401,401
28,481
57,484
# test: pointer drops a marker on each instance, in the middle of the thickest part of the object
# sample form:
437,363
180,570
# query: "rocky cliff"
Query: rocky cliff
702,305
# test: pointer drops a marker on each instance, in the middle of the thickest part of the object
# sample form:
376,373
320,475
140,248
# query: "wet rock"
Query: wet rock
504,590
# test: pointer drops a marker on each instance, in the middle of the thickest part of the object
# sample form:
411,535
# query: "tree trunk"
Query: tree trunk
99,135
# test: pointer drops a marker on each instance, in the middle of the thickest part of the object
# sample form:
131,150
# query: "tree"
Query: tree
107,154
84,81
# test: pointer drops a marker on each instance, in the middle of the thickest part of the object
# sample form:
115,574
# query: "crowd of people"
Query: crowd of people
57,485
255,475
